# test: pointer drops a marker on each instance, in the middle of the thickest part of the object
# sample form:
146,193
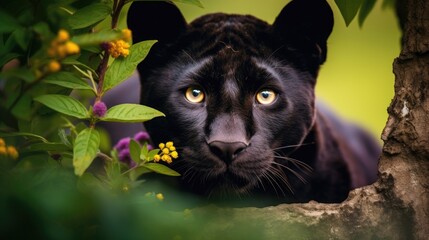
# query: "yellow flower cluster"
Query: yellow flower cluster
168,152
61,46
120,47
8,150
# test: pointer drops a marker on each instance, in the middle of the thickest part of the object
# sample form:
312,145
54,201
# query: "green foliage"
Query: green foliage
65,105
191,2
366,8
128,112
159,168
85,149
89,15
350,8
91,39
67,80
123,68
57,66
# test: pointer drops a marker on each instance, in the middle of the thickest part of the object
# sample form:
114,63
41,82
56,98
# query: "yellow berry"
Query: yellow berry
174,154
61,51
2,143
12,152
167,159
54,66
161,146
126,34
63,35
71,48
160,196
165,151
169,144
172,148
156,158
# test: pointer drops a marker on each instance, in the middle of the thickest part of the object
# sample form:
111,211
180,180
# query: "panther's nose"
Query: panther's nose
227,151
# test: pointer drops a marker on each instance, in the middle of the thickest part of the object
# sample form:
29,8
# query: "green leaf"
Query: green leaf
96,38
22,37
64,104
73,61
135,151
348,9
122,68
130,113
42,28
367,6
85,149
162,169
8,23
54,147
191,2
137,172
89,15
388,4
144,151
67,80
24,134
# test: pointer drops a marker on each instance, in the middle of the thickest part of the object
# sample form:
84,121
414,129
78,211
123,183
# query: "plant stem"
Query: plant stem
117,7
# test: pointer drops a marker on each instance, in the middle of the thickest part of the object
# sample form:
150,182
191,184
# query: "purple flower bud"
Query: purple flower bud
124,156
99,109
149,147
142,136
122,144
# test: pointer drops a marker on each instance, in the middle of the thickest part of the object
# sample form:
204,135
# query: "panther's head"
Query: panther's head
237,92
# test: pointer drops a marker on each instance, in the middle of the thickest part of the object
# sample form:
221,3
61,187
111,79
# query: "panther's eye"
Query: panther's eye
266,96
194,95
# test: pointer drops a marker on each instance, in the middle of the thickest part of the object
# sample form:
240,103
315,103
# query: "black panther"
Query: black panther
238,95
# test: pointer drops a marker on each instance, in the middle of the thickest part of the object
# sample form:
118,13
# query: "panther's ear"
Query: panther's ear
306,21
159,20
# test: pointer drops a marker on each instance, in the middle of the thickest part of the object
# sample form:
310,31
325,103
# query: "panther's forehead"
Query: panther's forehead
227,34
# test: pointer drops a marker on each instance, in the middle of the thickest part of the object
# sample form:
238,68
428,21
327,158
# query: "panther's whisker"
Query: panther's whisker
302,179
299,164
282,177
273,177
267,177
294,145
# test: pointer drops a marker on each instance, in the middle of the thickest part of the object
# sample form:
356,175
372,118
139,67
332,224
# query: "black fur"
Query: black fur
229,144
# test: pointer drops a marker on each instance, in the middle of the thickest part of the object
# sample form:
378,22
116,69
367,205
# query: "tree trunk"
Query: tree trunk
397,205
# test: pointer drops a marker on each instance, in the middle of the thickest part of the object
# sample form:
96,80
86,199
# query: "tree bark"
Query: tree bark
397,205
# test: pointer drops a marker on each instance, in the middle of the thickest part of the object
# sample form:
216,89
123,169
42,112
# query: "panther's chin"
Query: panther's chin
230,184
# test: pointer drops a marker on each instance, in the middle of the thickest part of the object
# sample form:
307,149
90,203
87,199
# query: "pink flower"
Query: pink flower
99,109
142,137
122,144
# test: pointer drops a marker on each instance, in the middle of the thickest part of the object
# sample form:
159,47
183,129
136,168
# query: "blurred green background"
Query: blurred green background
357,79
